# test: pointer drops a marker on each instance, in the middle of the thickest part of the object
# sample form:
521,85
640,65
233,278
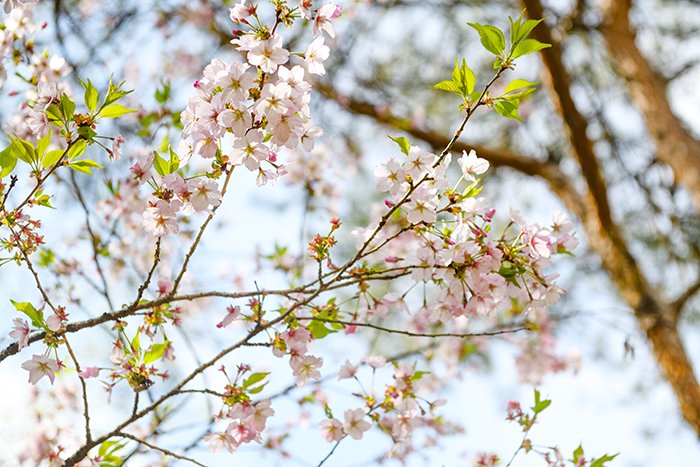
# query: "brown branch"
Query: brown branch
86,410
167,452
675,145
198,238
682,299
496,332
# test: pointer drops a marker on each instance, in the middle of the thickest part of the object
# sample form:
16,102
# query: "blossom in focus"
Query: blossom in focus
40,366
315,55
159,219
472,165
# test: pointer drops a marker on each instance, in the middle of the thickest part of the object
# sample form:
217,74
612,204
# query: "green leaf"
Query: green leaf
508,109
46,257
32,313
8,161
77,149
161,165
403,143
529,46
23,149
418,375
578,452
601,462
448,86
319,330
85,166
491,37
136,343
518,84
174,162
91,95
254,379
464,77
114,92
114,111
163,93
525,29
104,447
54,115
540,405
41,199
42,145
67,107
155,352
51,158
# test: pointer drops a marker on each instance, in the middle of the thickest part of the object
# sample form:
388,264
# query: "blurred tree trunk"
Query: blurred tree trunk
657,319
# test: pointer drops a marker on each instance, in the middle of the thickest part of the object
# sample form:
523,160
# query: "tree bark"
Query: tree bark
675,146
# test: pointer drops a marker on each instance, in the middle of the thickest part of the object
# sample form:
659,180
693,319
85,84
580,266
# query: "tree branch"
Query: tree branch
675,145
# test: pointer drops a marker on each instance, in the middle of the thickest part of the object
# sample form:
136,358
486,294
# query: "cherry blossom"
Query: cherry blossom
472,165
332,429
20,332
355,424
40,366
315,55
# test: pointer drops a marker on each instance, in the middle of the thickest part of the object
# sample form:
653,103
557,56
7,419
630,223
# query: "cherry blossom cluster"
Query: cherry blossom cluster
43,70
435,259
246,418
243,114
445,236
398,411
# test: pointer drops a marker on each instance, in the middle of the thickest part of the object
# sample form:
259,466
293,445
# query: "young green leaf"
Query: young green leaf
540,405
85,166
518,84
163,93
114,92
36,316
601,461
67,107
254,379
77,149
174,161
42,145
22,149
51,157
91,95
154,353
449,86
319,330
8,161
525,29
161,165
115,110
402,142
491,37
508,109
529,46
464,77
53,113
